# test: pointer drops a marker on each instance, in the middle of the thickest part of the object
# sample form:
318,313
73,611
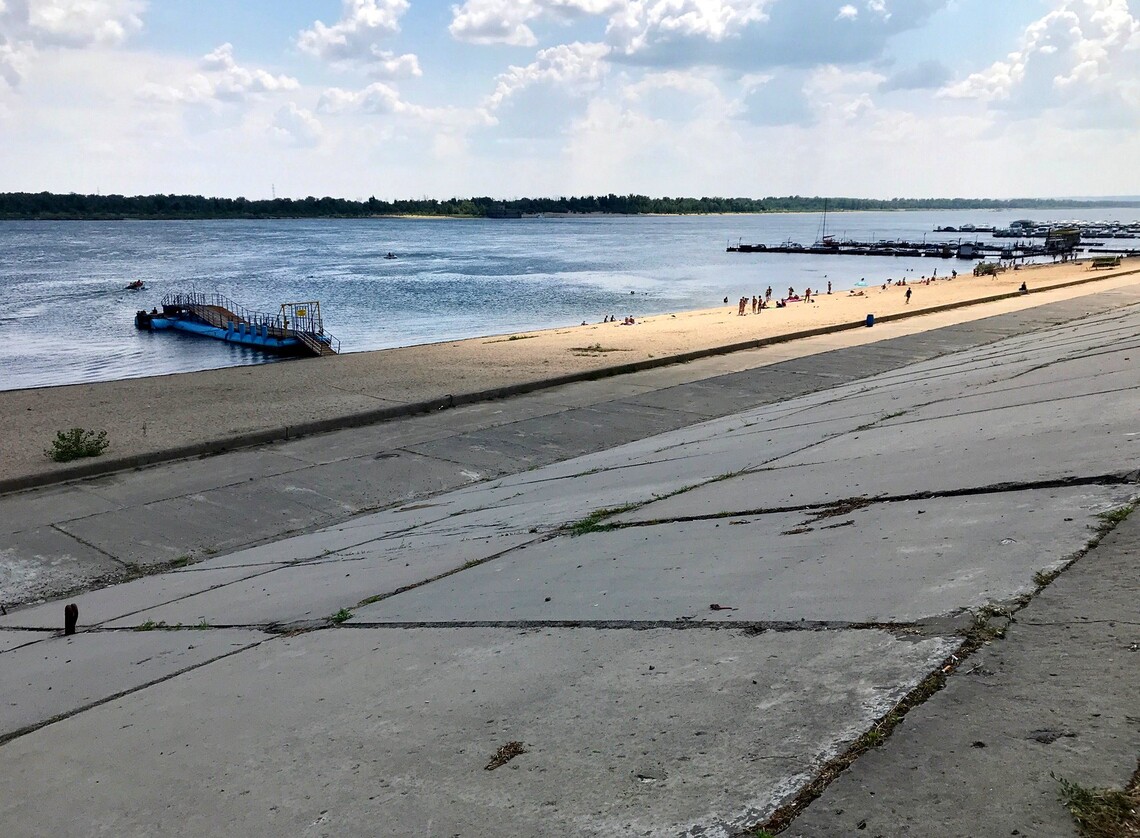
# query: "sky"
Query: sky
514,98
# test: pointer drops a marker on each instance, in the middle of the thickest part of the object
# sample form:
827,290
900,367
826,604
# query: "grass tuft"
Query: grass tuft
1113,517
76,444
340,616
1103,813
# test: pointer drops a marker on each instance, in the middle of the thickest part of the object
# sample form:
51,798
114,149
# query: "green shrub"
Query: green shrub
75,444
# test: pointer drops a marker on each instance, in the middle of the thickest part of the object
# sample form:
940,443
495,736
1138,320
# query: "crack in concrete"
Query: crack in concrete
1081,622
1111,479
750,627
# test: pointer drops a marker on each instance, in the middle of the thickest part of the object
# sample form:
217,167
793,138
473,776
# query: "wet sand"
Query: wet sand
148,419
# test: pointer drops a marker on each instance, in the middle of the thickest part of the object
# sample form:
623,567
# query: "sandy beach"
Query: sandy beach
149,419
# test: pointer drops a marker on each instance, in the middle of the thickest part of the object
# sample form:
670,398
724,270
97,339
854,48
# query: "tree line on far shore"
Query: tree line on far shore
48,205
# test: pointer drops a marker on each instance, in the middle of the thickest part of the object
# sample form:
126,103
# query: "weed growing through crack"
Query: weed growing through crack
983,629
1103,813
150,625
1113,517
340,616
593,521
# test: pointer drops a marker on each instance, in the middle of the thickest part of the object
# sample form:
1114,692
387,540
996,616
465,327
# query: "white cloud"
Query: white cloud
297,125
645,22
388,65
222,80
27,27
506,21
354,39
494,22
926,75
575,68
379,98
231,81
376,98
841,95
14,61
752,34
1085,53
80,23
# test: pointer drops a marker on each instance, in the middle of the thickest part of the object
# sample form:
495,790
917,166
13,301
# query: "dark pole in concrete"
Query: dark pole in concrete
70,618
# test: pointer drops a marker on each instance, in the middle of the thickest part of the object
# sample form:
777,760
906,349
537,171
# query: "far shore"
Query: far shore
147,419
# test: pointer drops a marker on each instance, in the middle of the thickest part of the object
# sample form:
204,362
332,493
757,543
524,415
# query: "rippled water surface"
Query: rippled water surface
66,317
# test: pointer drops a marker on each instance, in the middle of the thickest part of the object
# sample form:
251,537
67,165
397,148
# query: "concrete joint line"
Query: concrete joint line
5,738
126,565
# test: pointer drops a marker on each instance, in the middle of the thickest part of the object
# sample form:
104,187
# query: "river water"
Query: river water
66,317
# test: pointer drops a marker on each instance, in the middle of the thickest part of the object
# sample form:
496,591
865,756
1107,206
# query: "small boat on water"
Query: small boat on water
135,285
296,329
389,255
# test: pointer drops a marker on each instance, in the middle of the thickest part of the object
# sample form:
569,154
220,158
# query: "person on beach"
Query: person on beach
753,304
807,295
791,292
908,296
829,286
768,294
1023,289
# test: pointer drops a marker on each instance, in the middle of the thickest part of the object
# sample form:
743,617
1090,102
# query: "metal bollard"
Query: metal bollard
70,618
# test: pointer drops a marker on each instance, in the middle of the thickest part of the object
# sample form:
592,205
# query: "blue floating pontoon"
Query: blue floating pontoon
297,329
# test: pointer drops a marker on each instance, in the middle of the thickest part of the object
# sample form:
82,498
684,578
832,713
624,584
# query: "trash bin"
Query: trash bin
870,320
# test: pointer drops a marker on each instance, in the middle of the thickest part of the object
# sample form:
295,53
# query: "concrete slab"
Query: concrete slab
97,607
22,511
337,490
899,562
45,560
370,440
219,520
396,727
618,422
317,590
187,477
588,393
65,674
1088,437
1056,696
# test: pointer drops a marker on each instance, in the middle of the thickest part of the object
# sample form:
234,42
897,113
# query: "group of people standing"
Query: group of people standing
761,302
